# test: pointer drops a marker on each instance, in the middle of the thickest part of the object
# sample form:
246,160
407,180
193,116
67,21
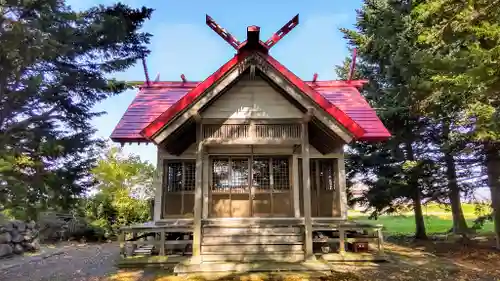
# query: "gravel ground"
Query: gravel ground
424,261
79,263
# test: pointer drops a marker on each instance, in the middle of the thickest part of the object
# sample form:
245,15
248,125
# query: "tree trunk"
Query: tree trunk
419,216
459,223
493,170
417,198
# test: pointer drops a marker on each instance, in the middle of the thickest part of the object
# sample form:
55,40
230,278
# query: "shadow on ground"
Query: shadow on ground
441,259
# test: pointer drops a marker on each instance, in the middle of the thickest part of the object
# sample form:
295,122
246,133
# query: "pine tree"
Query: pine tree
54,64
385,39
463,39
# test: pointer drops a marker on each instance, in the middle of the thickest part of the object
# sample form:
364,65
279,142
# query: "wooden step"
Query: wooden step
244,257
232,267
241,239
144,250
226,231
260,248
251,222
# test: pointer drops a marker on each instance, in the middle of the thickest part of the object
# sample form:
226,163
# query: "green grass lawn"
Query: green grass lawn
437,220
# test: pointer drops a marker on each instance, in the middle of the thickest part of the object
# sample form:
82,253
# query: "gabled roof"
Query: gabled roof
149,103
152,101
161,102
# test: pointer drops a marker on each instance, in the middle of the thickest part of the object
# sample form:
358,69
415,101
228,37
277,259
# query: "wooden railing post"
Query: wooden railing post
380,241
121,240
162,242
341,240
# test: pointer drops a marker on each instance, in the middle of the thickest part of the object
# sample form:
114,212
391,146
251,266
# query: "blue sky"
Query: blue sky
182,43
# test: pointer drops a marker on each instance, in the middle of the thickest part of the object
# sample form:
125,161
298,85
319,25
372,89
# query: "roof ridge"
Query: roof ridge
192,84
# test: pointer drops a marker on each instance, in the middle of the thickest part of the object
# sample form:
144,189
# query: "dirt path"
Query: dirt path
428,261
80,263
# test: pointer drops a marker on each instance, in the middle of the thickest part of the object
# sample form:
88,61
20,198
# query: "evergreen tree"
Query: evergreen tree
54,64
385,40
463,42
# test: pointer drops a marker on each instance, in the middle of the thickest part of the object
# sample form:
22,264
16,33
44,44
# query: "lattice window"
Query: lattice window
271,173
239,175
180,175
260,173
281,173
220,175
230,175
190,175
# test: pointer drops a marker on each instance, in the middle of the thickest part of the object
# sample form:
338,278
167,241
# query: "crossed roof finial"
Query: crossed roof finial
252,34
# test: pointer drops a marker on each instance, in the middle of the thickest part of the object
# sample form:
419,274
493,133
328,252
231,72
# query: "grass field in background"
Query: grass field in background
437,220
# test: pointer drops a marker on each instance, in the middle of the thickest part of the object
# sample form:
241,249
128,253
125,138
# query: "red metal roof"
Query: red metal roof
345,120
350,101
151,102
191,96
155,106
148,104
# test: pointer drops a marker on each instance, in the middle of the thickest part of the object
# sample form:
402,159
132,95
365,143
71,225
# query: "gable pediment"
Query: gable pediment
251,98
270,80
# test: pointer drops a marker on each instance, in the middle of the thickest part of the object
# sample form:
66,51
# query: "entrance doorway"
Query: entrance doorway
325,199
250,186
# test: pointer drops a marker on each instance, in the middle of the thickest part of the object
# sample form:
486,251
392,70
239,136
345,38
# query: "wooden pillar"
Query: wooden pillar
158,185
205,185
306,181
198,200
341,187
317,187
336,194
296,186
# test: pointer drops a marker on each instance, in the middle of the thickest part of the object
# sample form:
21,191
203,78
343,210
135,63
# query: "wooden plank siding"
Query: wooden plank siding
251,99
251,243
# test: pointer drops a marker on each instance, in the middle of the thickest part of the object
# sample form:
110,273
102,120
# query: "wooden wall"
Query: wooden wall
171,202
252,99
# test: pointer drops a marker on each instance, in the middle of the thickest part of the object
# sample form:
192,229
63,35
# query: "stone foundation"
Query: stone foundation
17,237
